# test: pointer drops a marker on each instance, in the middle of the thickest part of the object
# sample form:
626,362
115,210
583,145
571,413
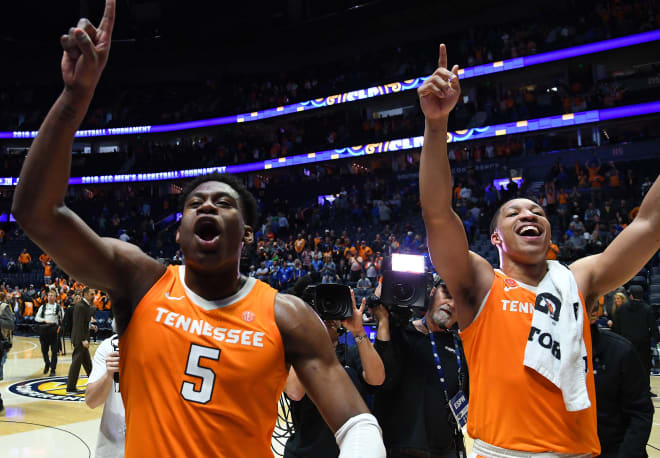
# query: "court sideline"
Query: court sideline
40,420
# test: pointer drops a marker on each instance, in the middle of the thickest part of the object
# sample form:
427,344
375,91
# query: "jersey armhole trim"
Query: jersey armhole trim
162,278
481,307
279,331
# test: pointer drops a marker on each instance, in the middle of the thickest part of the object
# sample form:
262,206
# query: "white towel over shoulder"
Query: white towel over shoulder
556,348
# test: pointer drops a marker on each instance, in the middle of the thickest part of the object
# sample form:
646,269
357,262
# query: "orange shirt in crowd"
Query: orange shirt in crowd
98,300
24,258
596,181
553,251
299,245
44,258
615,181
365,251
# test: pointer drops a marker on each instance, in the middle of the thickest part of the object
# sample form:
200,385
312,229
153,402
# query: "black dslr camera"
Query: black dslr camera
406,286
331,301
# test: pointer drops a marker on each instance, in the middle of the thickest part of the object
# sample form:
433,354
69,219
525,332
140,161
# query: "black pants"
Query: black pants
80,356
643,349
48,339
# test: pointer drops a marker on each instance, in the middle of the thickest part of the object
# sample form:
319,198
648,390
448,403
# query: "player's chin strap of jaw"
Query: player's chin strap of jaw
360,437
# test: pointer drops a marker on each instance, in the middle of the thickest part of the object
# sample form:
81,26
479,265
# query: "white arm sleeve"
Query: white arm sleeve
40,314
360,437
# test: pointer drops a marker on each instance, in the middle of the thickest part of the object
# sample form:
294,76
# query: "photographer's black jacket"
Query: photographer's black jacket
312,437
623,403
410,406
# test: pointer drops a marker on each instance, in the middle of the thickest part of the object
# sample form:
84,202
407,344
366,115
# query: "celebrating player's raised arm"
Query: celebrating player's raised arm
39,197
447,241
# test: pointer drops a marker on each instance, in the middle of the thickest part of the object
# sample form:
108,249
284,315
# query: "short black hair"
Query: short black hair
636,291
248,203
493,220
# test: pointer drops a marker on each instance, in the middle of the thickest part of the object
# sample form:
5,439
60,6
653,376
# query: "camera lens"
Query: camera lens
403,292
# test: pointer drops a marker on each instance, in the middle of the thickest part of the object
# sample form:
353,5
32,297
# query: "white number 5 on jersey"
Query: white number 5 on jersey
188,391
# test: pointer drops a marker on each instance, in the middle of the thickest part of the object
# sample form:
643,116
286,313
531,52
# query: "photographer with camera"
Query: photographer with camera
312,436
424,396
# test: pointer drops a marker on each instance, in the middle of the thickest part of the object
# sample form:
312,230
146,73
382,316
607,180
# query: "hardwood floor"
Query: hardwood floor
65,427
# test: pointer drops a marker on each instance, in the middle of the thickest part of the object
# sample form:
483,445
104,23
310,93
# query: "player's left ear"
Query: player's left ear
177,236
495,238
248,235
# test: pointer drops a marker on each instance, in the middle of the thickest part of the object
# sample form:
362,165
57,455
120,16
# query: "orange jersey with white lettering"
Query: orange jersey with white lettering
512,406
201,378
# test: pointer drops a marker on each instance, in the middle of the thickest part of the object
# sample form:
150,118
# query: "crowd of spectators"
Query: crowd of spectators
345,237
587,22
281,138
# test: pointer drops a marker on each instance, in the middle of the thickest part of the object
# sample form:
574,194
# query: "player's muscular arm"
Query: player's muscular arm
308,349
39,198
468,276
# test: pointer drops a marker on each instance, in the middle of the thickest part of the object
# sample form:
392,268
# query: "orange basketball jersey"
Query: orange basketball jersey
201,378
512,406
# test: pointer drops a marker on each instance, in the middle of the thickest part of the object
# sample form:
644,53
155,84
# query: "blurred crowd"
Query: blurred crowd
216,96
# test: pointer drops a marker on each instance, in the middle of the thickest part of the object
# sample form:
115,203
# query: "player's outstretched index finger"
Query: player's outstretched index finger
442,60
108,22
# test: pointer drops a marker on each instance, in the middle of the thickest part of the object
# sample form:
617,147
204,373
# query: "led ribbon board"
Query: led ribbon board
477,133
362,94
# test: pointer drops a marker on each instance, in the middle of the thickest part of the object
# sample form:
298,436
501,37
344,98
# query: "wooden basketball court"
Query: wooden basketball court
40,420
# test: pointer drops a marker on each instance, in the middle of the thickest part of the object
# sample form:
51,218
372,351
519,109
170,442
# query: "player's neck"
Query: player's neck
530,274
208,286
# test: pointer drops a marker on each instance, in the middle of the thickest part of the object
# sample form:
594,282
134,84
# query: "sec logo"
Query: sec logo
49,388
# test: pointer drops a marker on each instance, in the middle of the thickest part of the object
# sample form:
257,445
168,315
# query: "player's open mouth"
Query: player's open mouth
207,233
530,232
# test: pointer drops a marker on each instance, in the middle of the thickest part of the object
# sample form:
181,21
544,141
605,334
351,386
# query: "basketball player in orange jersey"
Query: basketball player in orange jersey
205,350
514,411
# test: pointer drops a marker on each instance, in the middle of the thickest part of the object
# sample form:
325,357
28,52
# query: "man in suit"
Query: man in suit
82,313
635,321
